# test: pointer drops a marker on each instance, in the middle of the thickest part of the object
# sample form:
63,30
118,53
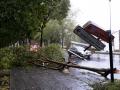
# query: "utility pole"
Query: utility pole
110,48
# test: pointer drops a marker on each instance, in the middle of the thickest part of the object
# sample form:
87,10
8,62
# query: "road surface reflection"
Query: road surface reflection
102,61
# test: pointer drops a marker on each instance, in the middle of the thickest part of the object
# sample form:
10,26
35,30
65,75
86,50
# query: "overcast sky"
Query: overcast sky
98,11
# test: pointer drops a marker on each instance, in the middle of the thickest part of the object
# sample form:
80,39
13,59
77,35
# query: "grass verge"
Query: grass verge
107,86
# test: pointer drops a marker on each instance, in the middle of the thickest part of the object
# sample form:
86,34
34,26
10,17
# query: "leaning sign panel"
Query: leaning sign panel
93,29
88,38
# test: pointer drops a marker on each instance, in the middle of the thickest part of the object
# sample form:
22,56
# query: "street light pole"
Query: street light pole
110,48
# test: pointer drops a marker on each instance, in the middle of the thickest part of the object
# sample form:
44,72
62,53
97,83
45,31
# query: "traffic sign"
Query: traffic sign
93,29
88,38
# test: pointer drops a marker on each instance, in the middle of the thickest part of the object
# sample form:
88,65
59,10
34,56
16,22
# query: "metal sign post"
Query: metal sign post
111,58
110,48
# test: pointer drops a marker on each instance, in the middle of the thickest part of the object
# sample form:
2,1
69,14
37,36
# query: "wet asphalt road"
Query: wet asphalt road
46,79
103,61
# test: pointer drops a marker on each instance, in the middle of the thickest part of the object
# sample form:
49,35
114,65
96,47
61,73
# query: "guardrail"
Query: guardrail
101,52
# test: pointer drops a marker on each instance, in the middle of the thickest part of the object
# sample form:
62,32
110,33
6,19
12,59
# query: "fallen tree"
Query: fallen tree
45,62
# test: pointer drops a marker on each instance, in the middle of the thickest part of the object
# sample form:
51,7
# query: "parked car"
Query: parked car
79,51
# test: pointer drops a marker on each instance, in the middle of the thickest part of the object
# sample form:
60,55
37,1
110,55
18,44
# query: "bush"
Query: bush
20,56
53,52
14,56
23,55
6,58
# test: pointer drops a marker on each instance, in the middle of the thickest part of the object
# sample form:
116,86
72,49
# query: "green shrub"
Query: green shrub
52,52
15,56
20,56
6,58
23,55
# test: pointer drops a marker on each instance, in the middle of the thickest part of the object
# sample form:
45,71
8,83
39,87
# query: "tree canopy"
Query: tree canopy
20,18
60,32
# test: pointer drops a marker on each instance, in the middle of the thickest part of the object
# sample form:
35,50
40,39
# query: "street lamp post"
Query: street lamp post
110,48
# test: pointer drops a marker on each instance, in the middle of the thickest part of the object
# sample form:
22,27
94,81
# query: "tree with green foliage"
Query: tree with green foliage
51,33
20,19
57,32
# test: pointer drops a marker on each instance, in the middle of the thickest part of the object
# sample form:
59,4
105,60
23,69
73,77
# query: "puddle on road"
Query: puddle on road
97,61
102,61
87,78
